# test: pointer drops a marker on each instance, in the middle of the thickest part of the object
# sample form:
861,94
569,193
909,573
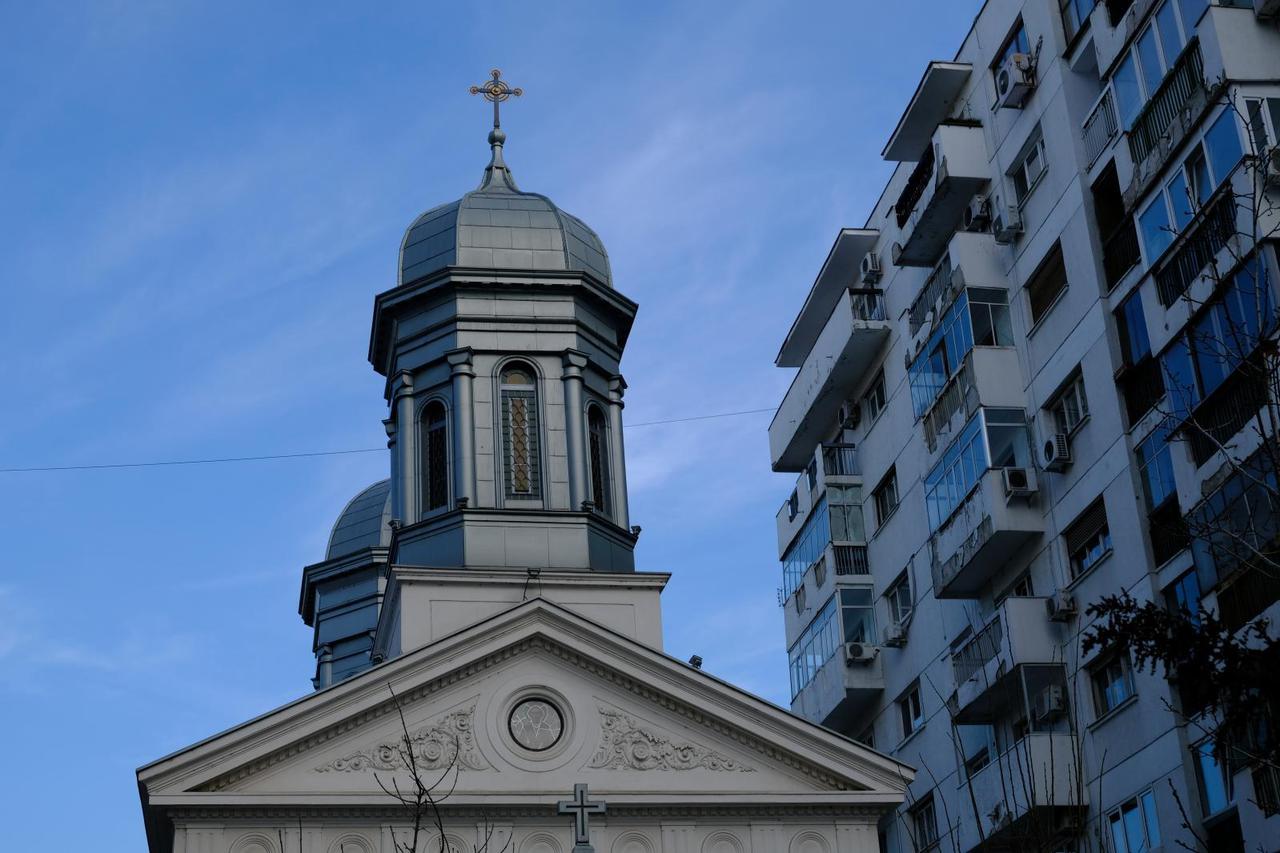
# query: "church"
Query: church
489,665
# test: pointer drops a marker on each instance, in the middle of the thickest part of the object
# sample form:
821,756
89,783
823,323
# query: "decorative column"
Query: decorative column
405,501
618,458
574,425
464,456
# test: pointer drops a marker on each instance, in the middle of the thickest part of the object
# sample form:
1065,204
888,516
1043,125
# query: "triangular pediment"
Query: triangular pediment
528,703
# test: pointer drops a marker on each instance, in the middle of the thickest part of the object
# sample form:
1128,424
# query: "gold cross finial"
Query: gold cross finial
496,91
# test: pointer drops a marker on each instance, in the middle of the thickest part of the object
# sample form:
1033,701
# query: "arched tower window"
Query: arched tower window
598,450
522,471
435,456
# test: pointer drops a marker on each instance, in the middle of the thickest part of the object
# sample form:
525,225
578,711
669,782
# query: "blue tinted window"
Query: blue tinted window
1222,141
1149,60
1156,464
942,355
809,544
1213,349
1133,330
1155,227
1213,785
1192,10
1180,378
1181,201
1128,91
1170,39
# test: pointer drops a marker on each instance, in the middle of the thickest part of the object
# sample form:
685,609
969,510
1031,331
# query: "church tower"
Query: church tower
500,345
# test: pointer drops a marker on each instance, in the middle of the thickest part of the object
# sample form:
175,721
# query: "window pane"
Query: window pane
1191,11
1128,91
1213,787
1223,144
1198,169
1170,38
1257,124
1180,378
1149,60
1133,330
1117,834
1154,222
1181,201
1133,829
1149,815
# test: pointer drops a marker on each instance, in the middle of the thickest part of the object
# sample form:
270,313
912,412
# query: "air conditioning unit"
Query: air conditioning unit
859,653
1014,81
1018,482
1057,453
1271,160
849,416
1061,606
870,268
895,635
977,216
1007,226
1050,703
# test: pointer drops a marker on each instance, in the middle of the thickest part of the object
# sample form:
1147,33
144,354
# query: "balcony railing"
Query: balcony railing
851,559
939,282
839,460
1198,246
1183,81
1099,128
915,187
1227,410
957,395
1120,253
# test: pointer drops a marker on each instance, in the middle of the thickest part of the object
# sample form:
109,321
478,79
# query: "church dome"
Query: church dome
496,226
363,523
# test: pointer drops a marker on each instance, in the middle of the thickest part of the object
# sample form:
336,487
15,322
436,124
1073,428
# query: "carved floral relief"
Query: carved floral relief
624,744
446,742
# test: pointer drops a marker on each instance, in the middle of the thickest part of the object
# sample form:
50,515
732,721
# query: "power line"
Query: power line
276,456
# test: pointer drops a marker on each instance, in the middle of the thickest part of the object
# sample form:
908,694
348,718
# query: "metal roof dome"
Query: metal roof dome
496,226
363,522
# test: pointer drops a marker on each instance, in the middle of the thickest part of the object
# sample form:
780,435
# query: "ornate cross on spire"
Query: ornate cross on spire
581,808
495,92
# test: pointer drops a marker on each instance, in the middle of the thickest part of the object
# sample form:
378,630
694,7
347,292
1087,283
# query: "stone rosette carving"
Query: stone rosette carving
449,741
625,744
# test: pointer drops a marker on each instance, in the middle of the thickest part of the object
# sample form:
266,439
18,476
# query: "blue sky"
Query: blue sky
198,204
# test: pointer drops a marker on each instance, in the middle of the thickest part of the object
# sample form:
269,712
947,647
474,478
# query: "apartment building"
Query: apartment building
996,379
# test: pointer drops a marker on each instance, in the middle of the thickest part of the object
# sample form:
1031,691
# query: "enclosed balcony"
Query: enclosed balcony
951,170
987,668
1029,796
837,673
977,540
841,691
970,260
844,350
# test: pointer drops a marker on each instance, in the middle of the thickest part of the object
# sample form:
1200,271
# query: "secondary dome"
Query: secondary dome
496,226
363,523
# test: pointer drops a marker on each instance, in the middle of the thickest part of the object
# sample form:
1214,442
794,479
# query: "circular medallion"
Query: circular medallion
535,724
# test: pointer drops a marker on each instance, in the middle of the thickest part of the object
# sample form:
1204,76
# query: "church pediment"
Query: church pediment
535,699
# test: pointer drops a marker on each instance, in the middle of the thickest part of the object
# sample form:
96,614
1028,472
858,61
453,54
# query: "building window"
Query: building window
911,711
522,468
1047,283
1088,539
1139,76
873,402
885,497
1112,683
1029,168
435,456
1020,588
924,825
857,613
811,474
1155,465
814,647
1183,596
1074,15
899,597
598,446
845,509
1134,825
1070,407
1215,787
1264,123
810,543
1016,43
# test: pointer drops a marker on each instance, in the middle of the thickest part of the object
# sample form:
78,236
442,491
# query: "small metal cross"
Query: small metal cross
580,807
496,91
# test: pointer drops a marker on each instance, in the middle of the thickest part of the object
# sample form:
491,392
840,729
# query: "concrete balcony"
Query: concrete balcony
987,677
842,353
952,170
1028,794
841,693
980,536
